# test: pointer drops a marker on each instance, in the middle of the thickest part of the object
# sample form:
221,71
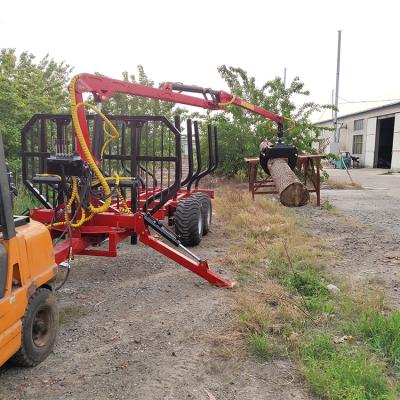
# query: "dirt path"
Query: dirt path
139,327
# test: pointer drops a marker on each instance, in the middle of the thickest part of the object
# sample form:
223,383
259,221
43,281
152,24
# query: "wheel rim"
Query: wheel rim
200,225
41,327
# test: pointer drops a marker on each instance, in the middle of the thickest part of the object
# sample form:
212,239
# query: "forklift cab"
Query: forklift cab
28,309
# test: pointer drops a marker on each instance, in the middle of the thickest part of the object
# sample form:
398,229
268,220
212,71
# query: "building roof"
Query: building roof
397,103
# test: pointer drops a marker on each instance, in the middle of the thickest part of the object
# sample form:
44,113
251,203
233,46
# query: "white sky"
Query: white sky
186,41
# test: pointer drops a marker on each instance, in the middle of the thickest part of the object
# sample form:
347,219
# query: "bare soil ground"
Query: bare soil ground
140,327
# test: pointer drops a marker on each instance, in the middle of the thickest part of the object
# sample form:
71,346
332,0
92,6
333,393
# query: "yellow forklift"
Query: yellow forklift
28,308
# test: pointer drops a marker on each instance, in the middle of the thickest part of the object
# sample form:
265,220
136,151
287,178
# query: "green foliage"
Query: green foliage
241,132
382,334
28,87
343,372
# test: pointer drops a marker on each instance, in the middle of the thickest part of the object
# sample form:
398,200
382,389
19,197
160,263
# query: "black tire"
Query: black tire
189,221
39,329
206,210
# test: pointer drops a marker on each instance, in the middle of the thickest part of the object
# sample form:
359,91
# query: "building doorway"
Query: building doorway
384,142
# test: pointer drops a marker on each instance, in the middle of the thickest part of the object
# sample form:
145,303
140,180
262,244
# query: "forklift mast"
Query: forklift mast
7,226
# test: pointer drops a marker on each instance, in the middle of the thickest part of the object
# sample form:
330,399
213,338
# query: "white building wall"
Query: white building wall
396,144
370,140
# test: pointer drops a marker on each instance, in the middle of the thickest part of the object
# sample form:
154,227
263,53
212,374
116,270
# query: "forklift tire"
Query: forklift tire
206,210
189,221
39,329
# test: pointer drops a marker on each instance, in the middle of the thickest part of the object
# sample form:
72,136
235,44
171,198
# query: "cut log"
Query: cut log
292,193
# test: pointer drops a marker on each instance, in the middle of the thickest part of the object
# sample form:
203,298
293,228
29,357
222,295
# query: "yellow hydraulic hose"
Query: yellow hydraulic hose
101,179
79,134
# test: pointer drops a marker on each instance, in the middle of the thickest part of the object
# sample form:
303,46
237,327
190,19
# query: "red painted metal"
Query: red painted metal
199,268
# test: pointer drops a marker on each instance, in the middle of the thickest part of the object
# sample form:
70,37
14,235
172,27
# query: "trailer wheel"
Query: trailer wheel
39,329
189,221
206,210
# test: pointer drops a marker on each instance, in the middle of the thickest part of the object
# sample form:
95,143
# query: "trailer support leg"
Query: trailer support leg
199,268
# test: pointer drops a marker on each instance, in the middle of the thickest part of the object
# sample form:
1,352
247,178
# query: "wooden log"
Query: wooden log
292,193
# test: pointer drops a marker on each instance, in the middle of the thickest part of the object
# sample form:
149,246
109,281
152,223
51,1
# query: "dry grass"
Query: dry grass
338,184
71,312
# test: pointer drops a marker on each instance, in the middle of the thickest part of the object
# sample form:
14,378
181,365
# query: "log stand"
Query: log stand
257,186
310,164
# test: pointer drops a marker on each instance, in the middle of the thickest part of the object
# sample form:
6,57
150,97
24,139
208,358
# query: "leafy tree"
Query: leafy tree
241,132
28,87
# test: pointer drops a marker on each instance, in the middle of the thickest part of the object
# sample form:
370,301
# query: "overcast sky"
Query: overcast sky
186,41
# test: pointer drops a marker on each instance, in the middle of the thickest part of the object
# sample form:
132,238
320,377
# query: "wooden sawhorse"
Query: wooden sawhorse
256,186
310,164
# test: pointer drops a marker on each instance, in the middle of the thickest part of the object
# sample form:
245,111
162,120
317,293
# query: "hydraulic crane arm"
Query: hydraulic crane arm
102,87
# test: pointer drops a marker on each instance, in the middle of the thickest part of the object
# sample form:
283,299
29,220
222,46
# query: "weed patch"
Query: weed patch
262,346
382,334
344,371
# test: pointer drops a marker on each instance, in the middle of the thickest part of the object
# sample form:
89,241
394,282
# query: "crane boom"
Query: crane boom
103,87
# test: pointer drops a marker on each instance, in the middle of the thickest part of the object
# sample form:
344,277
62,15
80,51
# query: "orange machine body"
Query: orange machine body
31,265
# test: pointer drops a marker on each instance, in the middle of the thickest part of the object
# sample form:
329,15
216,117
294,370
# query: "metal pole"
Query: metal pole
284,77
337,133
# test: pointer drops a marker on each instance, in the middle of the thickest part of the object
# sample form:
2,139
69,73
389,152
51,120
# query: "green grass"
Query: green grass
344,372
23,201
261,345
382,334
307,283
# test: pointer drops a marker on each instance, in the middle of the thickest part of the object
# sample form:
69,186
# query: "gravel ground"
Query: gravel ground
140,327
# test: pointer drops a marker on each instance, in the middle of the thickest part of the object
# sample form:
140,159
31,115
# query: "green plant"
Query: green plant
327,205
344,372
381,333
307,283
23,201
261,345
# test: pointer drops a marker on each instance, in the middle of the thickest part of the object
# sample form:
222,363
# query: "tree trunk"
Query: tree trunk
292,193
